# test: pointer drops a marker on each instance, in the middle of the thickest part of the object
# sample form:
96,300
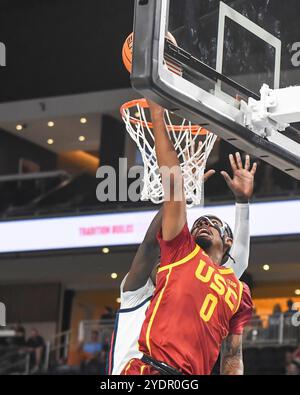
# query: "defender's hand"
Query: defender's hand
242,181
208,174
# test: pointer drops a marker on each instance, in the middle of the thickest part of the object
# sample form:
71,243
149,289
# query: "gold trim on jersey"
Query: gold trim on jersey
155,311
191,256
182,261
226,271
128,366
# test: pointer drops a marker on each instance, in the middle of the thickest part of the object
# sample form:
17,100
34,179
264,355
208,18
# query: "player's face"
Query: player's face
206,233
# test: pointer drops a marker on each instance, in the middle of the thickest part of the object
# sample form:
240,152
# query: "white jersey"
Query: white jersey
128,325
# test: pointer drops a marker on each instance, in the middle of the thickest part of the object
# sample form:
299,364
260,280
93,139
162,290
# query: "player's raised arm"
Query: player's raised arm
241,185
174,215
146,258
232,356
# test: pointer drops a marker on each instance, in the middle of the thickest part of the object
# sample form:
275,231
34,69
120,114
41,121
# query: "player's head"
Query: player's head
213,234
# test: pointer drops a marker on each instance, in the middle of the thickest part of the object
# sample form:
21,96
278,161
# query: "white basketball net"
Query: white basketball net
192,153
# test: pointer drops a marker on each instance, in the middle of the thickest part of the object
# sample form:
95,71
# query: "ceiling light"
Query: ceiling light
81,138
114,276
105,250
266,267
50,141
50,124
297,292
19,127
83,120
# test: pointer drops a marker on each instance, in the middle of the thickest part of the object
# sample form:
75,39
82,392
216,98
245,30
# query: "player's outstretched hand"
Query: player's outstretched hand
155,109
242,181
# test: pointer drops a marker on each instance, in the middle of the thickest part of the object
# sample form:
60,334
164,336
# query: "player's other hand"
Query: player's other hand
242,181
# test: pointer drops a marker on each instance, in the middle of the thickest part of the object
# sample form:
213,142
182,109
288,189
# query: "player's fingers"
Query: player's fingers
208,174
254,168
232,162
247,162
239,160
227,178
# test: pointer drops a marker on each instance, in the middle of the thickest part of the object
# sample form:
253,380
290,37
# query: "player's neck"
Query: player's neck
215,256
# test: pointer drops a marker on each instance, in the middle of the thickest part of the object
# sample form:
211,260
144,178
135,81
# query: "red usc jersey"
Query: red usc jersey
195,306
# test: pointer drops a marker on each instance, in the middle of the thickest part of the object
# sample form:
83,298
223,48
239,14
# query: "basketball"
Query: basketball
127,52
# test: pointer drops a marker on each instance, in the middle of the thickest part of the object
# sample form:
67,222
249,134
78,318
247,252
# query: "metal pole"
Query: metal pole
66,347
47,356
281,327
81,331
27,364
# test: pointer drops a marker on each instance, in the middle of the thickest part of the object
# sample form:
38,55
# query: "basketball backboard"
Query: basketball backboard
227,51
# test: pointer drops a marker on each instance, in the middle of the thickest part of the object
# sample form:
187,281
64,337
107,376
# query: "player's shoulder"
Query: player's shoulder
246,299
182,247
183,234
246,288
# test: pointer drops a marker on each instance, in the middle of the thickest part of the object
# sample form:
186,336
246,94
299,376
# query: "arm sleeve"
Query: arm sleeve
241,243
244,313
174,250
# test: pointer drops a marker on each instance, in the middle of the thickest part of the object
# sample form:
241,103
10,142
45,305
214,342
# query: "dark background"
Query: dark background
63,47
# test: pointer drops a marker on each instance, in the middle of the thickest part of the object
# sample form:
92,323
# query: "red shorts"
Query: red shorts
136,367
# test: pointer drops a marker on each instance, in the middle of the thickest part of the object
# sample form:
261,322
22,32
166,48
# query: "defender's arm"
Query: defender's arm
146,258
241,243
242,185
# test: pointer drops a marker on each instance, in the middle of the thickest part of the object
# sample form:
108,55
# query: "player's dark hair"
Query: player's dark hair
226,256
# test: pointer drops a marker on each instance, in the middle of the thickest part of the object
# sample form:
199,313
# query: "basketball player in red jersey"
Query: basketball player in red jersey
197,304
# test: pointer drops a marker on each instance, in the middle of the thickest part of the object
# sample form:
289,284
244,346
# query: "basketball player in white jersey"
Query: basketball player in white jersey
138,285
